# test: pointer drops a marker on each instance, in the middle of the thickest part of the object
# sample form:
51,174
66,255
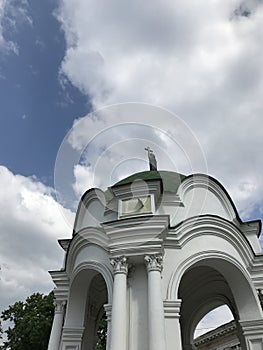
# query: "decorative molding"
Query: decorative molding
120,265
197,181
222,331
252,328
173,285
172,308
64,243
72,335
208,224
102,269
154,262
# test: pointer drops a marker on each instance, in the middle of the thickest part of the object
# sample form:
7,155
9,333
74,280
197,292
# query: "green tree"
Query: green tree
31,320
102,334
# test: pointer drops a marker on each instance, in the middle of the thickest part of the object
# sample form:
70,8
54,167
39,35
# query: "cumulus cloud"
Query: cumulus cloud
112,49
201,60
31,221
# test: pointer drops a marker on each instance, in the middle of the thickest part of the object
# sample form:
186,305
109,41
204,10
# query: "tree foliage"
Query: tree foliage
102,334
31,320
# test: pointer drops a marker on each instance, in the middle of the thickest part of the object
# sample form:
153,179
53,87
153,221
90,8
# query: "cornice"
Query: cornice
61,280
251,228
137,188
147,221
64,243
144,234
255,270
216,333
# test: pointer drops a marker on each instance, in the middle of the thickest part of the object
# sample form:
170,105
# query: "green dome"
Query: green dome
170,180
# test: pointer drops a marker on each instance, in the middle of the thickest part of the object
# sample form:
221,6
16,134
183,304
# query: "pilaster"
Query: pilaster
72,338
172,325
253,333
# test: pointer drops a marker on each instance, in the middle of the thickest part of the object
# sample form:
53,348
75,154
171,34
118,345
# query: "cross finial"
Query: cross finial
152,159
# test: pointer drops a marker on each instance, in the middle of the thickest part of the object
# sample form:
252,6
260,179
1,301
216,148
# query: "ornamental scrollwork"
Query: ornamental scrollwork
154,262
119,264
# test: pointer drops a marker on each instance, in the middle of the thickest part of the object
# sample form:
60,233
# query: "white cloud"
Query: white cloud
176,49
31,221
201,60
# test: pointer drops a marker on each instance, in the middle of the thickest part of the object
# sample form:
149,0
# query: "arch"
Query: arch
207,196
236,276
99,268
210,291
215,226
88,237
218,279
91,209
91,287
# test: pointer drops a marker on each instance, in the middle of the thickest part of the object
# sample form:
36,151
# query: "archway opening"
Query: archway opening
206,296
88,295
94,337
212,320
217,330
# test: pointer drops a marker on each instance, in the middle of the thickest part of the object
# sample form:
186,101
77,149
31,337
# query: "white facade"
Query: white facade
157,255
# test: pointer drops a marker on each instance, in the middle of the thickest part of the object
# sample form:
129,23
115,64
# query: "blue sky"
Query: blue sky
36,111
200,60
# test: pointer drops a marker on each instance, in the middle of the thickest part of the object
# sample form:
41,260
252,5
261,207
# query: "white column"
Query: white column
119,304
155,303
55,335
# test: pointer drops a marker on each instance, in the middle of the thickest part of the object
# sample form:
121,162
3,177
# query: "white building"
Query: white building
224,337
157,251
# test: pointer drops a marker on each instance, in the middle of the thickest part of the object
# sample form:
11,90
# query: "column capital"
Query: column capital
59,306
108,310
120,265
154,262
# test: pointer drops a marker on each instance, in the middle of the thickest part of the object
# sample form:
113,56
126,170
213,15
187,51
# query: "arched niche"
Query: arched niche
209,283
88,295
